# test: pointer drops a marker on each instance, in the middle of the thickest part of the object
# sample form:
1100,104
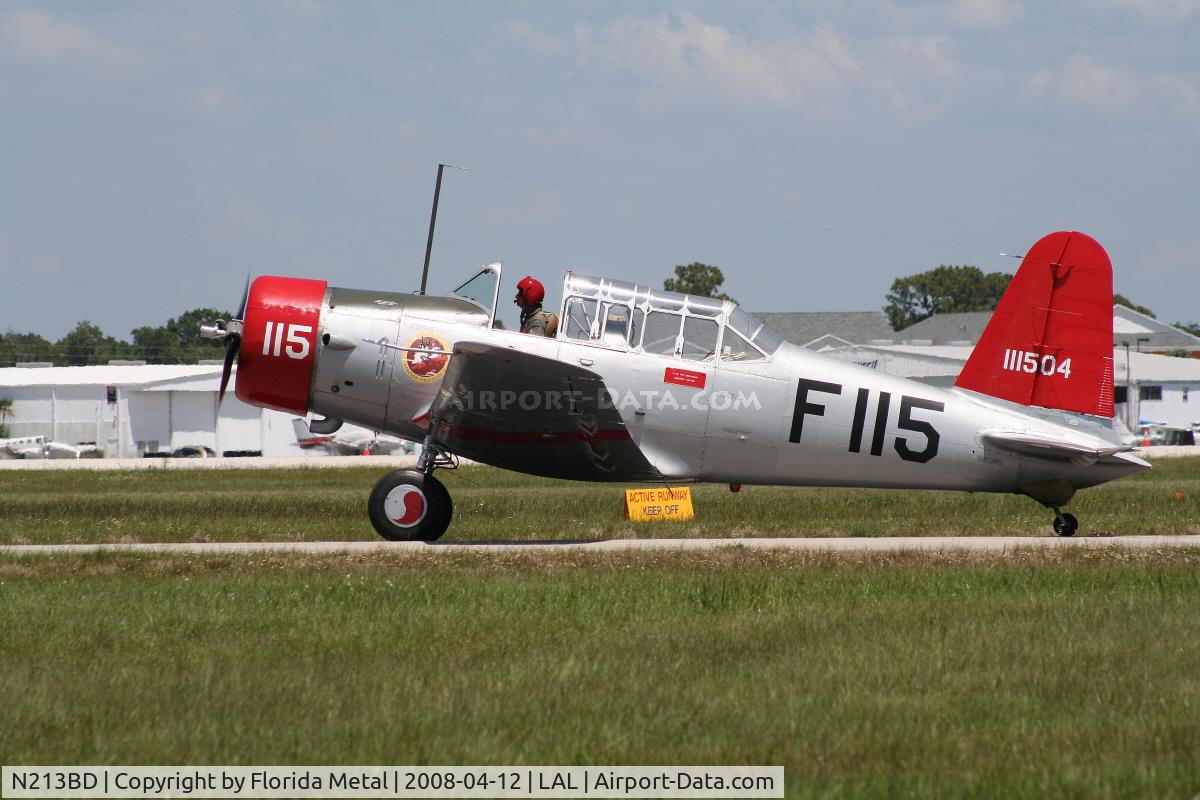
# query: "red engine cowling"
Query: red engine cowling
279,343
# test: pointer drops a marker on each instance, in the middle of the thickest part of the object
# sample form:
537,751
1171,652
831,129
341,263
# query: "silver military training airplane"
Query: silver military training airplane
642,385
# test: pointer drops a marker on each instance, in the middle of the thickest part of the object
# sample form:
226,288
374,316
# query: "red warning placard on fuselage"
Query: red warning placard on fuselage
684,377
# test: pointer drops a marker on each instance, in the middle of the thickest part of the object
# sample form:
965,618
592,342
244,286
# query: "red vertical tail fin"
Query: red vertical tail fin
1049,342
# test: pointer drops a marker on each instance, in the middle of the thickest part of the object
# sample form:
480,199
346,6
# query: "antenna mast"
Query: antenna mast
437,192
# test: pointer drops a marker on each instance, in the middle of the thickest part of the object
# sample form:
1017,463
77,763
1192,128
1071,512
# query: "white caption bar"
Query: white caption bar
383,782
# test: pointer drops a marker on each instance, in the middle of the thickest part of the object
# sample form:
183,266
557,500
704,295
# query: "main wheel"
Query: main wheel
1066,525
409,506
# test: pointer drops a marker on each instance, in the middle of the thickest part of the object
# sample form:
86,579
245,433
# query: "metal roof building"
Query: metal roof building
1137,331
129,410
943,329
1149,335
821,330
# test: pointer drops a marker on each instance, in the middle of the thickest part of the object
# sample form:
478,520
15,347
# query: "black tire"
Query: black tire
1066,525
407,506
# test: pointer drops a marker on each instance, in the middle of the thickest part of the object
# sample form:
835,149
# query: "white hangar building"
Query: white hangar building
130,410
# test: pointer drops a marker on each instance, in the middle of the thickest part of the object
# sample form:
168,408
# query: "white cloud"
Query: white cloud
1086,83
927,54
986,15
1178,91
534,40
1116,90
215,100
682,53
36,36
916,17
679,57
1160,11
831,47
909,66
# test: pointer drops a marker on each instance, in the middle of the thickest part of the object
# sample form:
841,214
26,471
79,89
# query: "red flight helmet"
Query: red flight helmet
530,290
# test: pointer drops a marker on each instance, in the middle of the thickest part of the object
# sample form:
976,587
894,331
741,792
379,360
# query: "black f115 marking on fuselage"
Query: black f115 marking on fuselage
805,407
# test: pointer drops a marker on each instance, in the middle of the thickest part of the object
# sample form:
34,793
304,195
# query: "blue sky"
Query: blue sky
153,153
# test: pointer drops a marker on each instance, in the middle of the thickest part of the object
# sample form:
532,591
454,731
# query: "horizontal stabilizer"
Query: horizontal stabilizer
1035,444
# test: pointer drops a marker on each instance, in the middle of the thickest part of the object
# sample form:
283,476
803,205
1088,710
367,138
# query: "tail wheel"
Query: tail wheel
1066,524
409,506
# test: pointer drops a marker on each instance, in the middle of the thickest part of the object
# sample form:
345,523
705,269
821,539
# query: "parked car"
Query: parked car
1159,434
194,451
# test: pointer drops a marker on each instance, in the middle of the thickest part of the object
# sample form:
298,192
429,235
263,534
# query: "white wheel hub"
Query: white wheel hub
405,505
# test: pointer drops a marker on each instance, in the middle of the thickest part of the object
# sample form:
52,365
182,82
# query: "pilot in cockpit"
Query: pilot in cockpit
534,318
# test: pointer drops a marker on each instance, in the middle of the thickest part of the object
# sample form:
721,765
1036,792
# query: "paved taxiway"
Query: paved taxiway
953,544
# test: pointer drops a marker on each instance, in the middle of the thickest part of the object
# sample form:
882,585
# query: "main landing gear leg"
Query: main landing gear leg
410,505
1064,524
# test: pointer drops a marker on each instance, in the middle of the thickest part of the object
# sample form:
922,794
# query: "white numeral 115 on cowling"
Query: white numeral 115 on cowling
297,345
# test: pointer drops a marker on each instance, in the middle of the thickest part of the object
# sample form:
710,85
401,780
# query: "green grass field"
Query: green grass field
1064,674
1069,674
491,504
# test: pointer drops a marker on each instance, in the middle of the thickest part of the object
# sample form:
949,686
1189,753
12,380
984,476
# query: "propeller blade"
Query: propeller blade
232,344
233,341
241,312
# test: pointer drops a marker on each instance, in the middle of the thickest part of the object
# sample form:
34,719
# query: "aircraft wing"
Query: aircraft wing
1043,446
524,412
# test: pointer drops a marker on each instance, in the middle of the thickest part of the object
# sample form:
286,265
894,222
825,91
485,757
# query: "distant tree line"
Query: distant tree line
953,289
946,289
176,342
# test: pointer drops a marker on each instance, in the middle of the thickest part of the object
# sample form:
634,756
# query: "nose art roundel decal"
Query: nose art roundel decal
405,505
422,365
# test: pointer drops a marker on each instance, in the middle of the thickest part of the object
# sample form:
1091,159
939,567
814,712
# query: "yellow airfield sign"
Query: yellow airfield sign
667,503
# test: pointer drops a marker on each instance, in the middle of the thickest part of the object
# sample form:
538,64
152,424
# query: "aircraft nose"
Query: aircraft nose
279,337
